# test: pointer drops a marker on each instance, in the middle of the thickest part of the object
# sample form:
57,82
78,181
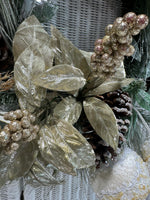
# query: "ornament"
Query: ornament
25,123
126,178
16,136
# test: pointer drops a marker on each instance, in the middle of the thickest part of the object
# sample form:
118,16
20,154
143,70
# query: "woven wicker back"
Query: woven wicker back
84,21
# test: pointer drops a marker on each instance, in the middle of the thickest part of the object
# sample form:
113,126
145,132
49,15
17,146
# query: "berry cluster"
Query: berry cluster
110,51
21,128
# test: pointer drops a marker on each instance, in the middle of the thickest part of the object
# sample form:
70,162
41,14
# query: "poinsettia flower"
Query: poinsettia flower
54,64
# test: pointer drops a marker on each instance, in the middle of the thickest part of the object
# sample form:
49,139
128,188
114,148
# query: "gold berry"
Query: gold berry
25,113
25,123
4,136
141,21
14,126
32,118
130,18
108,29
26,133
14,146
18,114
10,116
36,128
16,136
122,29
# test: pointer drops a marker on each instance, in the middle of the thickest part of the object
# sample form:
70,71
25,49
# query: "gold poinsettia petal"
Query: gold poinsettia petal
64,147
67,53
18,164
87,56
29,31
103,120
42,173
28,65
68,109
110,85
62,77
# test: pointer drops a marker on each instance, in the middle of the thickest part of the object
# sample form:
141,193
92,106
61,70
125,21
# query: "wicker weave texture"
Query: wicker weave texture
73,188
84,21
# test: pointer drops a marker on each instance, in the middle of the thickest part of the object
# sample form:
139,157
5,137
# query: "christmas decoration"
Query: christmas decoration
73,111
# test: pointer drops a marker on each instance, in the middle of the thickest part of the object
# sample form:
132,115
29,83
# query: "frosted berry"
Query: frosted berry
141,21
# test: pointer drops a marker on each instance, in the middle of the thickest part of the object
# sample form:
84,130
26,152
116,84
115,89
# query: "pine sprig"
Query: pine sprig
12,13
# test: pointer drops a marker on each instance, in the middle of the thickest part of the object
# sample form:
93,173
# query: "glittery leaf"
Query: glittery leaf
28,65
28,33
66,52
18,164
64,147
42,173
61,78
87,56
68,109
110,85
103,120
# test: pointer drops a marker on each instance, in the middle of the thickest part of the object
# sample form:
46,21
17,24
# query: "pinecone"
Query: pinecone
121,104
22,128
6,66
